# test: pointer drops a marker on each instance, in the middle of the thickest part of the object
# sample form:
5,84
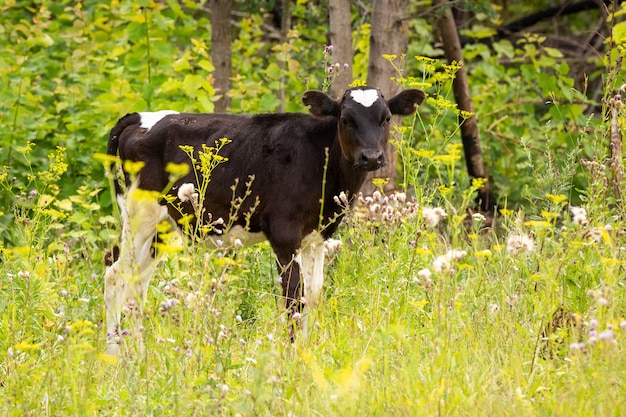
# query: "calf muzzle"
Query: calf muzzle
371,159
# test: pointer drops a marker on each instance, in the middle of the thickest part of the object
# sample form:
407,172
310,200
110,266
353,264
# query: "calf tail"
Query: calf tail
114,136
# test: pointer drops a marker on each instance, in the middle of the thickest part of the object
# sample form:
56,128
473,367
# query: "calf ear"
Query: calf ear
404,103
321,104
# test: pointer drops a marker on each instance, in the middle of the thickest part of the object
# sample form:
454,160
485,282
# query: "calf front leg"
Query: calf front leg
285,244
311,261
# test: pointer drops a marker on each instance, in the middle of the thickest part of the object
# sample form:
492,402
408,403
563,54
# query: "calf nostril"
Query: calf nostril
371,159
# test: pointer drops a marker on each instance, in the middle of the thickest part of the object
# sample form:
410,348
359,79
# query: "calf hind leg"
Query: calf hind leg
128,277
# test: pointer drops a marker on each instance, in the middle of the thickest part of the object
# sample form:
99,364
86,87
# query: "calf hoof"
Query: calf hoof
113,345
113,348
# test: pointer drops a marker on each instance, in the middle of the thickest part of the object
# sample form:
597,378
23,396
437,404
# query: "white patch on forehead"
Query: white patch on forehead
150,118
364,97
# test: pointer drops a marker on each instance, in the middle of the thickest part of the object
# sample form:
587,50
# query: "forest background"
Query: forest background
525,318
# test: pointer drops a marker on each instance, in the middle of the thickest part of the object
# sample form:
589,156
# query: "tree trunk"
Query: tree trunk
221,39
341,40
285,26
389,35
469,127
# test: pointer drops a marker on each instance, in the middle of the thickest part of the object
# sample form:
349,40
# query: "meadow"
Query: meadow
425,312
427,309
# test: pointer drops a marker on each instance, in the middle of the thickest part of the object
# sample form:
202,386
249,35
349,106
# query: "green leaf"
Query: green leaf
181,64
504,48
269,102
273,71
206,65
619,33
191,84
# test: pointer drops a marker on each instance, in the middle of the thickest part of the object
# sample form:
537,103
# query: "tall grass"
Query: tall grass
422,315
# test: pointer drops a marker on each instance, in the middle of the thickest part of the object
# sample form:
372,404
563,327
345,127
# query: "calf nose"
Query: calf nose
371,159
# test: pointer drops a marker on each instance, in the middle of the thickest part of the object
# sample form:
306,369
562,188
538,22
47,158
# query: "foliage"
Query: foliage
426,312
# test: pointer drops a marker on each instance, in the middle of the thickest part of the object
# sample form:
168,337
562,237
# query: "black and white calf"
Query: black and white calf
287,155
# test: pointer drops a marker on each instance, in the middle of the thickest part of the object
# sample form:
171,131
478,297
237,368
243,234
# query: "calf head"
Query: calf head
363,120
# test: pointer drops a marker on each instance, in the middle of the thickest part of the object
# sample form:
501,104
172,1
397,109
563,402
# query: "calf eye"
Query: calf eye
387,120
343,121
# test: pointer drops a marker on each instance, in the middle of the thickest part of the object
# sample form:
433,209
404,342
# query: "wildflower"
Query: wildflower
168,304
346,65
442,263
237,243
223,334
478,217
579,215
399,197
331,246
328,48
423,278
432,216
606,335
342,199
424,273
593,235
576,346
518,243
187,192
494,308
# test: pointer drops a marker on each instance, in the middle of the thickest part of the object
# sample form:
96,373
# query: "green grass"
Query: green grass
490,336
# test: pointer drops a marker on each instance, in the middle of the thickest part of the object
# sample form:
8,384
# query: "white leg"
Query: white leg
311,262
130,275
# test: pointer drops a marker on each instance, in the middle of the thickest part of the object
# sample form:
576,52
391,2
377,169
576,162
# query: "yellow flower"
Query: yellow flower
358,83
557,199
506,212
478,183
425,59
549,215
422,153
177,170
380,182
27,346
133,167
537,224
422,251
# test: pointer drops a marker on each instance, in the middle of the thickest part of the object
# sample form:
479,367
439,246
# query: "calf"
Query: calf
298,162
